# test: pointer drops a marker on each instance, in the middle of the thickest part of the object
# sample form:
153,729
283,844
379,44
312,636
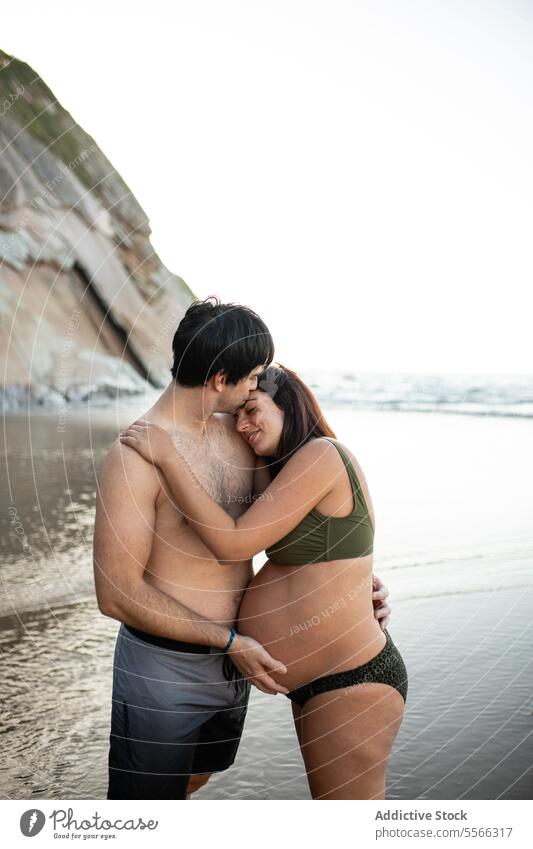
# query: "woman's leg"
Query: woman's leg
346,740
297,716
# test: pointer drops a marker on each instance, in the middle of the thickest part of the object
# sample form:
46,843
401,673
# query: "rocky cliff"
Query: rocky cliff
86,305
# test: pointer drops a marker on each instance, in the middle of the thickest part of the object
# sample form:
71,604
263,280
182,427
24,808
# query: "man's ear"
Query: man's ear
219,380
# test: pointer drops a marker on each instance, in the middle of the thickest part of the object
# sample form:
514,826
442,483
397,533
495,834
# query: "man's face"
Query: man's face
236,394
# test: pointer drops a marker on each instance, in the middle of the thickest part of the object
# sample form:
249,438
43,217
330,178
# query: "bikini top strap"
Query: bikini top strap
357,489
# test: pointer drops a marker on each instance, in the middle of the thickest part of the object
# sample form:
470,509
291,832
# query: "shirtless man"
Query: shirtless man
177,716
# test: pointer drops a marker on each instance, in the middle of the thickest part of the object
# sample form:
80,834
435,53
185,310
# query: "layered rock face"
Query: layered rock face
86,306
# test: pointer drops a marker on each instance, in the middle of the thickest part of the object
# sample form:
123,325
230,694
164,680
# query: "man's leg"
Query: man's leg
220,736
154,728
146,758
175,720
196,782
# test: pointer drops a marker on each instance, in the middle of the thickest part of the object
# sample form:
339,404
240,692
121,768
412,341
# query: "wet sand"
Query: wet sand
453,502
466,732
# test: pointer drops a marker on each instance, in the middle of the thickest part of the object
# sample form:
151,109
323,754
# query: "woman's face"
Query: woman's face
260,423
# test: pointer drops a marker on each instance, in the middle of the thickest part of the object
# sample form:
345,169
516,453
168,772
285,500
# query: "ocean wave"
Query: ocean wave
475,395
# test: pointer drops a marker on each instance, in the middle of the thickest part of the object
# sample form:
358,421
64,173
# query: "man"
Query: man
175,717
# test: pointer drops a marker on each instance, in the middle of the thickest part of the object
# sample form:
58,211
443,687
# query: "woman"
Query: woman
311,603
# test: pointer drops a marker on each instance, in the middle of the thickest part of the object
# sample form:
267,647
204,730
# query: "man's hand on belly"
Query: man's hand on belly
256,664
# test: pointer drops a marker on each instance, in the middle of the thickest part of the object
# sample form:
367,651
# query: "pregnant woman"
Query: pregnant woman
311,603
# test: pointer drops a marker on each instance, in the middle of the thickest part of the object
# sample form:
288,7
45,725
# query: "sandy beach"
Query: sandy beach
453,544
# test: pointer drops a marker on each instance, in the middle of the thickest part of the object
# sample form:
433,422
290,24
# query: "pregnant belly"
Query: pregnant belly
316,619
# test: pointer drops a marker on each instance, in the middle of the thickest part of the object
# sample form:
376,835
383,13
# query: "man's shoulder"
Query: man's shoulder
123,466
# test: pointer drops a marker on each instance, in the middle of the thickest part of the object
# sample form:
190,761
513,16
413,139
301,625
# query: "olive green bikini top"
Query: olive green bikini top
320,538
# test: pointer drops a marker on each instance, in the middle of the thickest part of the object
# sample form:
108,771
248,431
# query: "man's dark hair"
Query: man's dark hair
213,336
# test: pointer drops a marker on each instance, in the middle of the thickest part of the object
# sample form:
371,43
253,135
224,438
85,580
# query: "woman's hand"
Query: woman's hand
382,610
150,441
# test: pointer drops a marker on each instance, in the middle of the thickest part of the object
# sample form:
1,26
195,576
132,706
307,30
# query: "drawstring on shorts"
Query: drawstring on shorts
232,674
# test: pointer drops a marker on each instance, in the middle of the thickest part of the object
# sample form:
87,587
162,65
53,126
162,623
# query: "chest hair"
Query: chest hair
219,463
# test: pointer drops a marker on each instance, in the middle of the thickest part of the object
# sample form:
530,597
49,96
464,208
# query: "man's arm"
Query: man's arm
123,533
124,526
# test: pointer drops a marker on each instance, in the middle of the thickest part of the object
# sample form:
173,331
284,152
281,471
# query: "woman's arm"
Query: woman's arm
304,481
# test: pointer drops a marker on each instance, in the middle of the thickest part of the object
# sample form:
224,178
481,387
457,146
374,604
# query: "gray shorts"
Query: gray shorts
174,714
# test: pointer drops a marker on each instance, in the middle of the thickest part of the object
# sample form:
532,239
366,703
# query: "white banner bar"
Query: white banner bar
361,823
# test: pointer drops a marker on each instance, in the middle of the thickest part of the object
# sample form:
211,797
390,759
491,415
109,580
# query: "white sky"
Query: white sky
360,173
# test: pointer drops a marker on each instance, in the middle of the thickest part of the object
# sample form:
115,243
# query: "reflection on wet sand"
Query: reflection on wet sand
461,614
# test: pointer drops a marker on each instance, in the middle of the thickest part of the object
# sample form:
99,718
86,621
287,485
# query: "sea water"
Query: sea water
453,504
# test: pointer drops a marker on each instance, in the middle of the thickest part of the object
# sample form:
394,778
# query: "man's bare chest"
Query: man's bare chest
221,466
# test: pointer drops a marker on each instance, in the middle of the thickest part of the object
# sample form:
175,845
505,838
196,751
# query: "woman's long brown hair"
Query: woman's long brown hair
303,419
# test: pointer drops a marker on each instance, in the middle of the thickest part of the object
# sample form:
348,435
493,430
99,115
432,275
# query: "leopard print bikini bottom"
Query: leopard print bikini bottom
387,667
